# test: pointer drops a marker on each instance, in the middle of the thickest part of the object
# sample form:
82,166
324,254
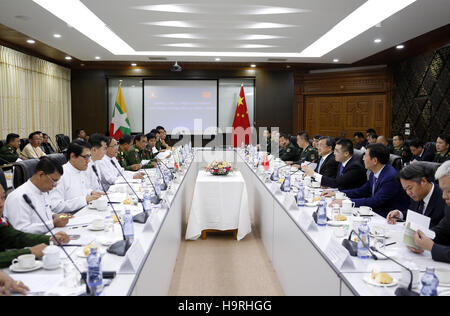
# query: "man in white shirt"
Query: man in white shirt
98,151
46,177
33,149
75,190
109,173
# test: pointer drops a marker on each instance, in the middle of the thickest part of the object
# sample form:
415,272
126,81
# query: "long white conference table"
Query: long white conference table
309,260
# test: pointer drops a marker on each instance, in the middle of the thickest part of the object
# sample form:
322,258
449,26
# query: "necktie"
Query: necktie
420,208
341,170
320,165
375,179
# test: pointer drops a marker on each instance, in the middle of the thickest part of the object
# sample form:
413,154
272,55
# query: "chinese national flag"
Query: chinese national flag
241,124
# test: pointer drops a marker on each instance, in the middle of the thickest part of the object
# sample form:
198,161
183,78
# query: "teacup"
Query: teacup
98,223
315,184
347,206
25,261
365,210
100,204
51,257
340,195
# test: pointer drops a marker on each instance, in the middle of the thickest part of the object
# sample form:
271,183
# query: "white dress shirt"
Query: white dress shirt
94,182
22,217
70,194
318,176
109,174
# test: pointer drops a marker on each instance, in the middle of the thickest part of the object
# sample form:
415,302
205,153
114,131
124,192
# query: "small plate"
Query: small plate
337,223
80,253
95,229
369,280
106,242
16,269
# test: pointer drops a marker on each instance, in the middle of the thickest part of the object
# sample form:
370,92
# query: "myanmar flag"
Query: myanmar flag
241,125
120,124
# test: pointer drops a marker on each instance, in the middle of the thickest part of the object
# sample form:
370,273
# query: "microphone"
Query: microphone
399,291
172,173
121,247
140,200
164,187
155,199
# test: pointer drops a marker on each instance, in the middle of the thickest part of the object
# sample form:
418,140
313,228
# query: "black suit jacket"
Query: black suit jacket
428,155
441,248
353,176
435,208
329,166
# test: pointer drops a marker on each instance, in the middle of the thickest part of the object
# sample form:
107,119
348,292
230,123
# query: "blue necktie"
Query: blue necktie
420,207
320,165
375,179
342,170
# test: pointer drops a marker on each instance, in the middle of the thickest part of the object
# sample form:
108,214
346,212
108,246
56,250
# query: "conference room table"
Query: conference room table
308,260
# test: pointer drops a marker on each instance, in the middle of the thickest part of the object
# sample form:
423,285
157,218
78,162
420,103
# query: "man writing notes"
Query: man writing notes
139,151
33,149
440,246
10,238
350,173
382,192
426,197
45,178
74,191
327,165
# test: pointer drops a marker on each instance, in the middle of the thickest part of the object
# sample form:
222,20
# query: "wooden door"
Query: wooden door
342,116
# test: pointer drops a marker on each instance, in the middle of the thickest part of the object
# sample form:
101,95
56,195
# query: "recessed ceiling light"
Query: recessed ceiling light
335,60
30,41
181,35
400,46
97,57
253,65
218,59
134,64
68,58
57,35
254,46
365,17
184,45
377,40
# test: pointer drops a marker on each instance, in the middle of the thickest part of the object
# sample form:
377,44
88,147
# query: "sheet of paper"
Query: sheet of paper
37,282
82,220
163,155
418,219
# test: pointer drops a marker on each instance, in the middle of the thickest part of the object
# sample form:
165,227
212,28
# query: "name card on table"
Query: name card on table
276,189
339,255
133,258
307,222
152,224
290,203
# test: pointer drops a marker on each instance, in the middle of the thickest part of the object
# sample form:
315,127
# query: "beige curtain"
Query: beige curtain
34,95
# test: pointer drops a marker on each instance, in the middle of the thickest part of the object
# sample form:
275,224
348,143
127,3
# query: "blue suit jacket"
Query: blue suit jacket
388,196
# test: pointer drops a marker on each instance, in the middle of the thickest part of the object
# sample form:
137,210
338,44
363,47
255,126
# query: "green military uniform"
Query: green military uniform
14,239
9,154
403,152
308,154
122,158
441,158
159,145
135,156
289,153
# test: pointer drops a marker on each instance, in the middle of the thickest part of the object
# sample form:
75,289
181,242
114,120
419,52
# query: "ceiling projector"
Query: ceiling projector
176,68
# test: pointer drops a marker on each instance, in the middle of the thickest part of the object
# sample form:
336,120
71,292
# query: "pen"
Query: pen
392,243
76,227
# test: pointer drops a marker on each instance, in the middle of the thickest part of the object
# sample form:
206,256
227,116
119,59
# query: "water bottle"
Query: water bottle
276,174
166,176
94,272
364,241
158,186
287,182
146,202
109,224
181,158
128,228
242,146
301,196
322,213
429,283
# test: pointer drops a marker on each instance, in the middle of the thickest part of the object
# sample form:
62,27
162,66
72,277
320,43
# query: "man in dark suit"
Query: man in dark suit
426,198
419,152
440,246
382,192
327,165
350,172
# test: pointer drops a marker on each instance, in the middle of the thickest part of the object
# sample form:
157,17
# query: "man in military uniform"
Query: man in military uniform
10,152
442,149
125,144
399,148
309,153
139,151
288,151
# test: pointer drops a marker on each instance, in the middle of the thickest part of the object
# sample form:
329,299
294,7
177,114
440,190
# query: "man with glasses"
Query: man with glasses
75,190
426,197
47,174
33,149
327,165
110,174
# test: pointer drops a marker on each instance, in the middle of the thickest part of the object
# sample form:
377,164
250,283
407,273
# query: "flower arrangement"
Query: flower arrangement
219,168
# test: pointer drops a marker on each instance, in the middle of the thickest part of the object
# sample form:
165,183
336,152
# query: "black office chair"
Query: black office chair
61,158
431,146
3,143
3,180
432,165
23,171
396,162
23,143
63,142
359,154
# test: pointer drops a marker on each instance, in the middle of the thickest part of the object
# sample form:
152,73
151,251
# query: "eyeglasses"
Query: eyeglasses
87,157
54,182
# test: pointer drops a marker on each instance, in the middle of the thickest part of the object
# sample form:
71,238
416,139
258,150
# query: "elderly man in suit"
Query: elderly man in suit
426,197
382,192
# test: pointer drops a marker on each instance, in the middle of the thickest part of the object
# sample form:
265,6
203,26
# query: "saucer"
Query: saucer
95,228
369,280
52,268
15,268
337,223
80,253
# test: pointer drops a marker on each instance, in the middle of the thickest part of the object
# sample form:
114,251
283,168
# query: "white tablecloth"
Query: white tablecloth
219,203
